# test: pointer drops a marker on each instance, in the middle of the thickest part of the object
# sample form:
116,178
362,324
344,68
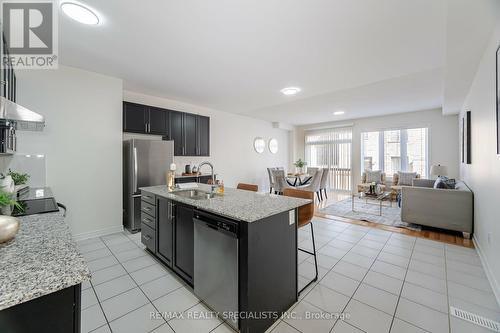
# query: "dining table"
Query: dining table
298,179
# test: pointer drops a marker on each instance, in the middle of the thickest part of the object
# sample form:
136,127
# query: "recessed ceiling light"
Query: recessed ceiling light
290,91
80,13
338,113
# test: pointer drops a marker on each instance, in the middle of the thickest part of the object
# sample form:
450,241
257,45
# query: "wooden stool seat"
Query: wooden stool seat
248,187
306,214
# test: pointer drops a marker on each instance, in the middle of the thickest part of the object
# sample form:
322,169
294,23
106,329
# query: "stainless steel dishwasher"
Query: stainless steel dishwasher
216,264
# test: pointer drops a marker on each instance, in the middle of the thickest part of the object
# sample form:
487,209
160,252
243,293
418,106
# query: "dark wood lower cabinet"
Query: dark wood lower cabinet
183,261
58,312
165,230
267,259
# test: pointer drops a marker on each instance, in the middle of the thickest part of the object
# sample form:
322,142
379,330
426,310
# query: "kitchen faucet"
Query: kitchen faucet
214,186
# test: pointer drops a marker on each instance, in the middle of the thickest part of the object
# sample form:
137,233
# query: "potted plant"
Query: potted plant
299,164
18,178
7,203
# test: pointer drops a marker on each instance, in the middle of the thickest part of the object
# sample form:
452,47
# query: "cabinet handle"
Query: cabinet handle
147,237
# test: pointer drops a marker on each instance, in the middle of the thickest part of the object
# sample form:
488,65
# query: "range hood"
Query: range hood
25,120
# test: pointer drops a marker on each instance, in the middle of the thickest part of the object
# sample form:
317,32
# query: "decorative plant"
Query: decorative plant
6,200
18,178
299,163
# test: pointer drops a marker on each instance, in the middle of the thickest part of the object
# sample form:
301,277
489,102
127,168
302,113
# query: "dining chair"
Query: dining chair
324,182
272,181
305,216
312,170
248,187
280,181
315,183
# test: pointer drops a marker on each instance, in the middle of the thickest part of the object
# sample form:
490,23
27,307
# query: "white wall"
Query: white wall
443,136
82,142
231,143
483,175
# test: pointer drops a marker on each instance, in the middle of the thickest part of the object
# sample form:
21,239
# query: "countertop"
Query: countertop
40,260
236,204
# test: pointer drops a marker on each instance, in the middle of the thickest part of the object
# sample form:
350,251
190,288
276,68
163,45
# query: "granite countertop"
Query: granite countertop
236,204
40,260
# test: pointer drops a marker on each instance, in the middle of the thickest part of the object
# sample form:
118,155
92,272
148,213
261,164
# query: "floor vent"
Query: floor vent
475,319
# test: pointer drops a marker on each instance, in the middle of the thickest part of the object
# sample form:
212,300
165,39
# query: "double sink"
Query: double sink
194,194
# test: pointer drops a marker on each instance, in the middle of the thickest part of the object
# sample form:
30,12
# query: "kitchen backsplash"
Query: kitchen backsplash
34,165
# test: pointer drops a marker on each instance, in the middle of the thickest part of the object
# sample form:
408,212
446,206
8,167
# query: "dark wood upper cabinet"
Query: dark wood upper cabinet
177,132
158,121
7,76
134,117
190,135
203,135
190,132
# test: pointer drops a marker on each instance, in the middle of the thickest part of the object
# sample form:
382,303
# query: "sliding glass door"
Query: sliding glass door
331,149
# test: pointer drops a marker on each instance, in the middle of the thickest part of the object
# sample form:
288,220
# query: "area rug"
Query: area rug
369,212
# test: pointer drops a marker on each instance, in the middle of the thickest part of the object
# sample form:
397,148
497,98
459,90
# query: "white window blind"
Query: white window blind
331,149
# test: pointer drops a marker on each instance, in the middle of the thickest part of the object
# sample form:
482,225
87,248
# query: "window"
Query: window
331,149
395,150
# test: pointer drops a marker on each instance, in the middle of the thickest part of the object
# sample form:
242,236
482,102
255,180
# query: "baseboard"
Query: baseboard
98,233
489,274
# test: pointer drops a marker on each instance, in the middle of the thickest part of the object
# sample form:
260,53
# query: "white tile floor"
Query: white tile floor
381,281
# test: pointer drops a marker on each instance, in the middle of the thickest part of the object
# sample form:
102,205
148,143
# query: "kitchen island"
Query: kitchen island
237,250
41,272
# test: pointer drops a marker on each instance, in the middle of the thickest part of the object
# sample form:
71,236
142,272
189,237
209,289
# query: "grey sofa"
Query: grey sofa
450,209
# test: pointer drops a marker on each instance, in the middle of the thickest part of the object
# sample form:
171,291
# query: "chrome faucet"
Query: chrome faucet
214,186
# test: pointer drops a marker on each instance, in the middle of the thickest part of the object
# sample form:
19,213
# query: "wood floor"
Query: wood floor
444,236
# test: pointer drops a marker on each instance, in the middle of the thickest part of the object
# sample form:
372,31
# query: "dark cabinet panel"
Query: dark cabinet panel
184,241
176,132
203,133
8,76
190,132
165,230
58,312
190,135
134,117
158,121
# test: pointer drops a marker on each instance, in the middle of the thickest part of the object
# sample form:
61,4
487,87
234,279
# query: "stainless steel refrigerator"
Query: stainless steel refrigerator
145,163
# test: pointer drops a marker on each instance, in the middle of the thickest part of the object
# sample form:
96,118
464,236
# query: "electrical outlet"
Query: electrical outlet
489,238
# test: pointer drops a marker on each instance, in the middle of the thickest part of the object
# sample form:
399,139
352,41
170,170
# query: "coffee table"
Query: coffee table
379,198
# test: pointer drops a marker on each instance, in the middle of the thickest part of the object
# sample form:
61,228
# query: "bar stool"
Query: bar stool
306,213
248,187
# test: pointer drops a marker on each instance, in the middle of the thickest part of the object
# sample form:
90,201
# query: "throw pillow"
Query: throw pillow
444,182
406,178
373,176
439,183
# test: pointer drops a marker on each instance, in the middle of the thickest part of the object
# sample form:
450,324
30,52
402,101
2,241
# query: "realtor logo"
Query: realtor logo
29,31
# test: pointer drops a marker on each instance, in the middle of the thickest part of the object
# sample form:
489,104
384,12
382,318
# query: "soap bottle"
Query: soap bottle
171,177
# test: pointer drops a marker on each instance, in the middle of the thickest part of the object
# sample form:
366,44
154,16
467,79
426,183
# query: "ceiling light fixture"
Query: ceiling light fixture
338,113
290,91
80,13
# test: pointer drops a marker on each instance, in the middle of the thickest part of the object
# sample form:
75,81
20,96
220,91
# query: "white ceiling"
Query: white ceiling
368,57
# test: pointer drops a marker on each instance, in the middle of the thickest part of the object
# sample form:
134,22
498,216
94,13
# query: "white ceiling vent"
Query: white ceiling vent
475,319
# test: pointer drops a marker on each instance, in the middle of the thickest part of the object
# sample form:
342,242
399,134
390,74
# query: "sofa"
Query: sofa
365,185
450,209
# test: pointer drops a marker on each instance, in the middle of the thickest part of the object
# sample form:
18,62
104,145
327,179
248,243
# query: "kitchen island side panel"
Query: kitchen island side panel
268,269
